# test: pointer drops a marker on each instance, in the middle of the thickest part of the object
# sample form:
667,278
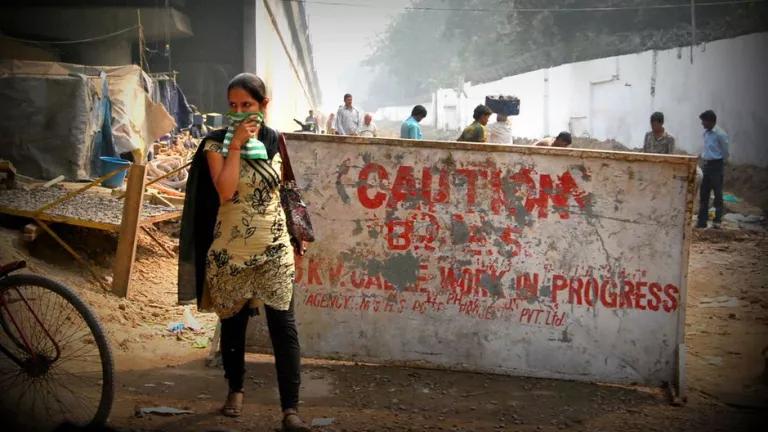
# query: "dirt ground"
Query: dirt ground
726,335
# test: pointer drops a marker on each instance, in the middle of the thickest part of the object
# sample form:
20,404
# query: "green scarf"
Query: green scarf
253,149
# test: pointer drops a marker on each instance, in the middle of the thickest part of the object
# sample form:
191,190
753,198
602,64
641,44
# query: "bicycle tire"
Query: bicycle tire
105,352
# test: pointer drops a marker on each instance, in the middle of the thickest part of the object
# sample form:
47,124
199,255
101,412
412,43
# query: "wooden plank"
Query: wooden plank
6,165
155,198
166,190
161,217
72,252
176,202
166,175
61,219
10,173
157,240
31,231
85,222
126,244
81,190
52,182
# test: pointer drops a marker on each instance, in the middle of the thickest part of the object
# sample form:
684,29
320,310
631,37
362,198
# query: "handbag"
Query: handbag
296,211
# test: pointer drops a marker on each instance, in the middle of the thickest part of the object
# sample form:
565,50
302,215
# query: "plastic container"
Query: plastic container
505,105
214,120
109,164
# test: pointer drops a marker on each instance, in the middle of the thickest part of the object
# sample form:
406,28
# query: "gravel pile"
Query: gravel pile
86,206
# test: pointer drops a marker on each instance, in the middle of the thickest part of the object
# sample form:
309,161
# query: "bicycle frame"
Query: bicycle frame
27,347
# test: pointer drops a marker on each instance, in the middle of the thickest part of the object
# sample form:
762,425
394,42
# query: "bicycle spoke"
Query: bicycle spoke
51,325
23,392
80,365
13,377
79,376
52,402
75,397
54,395
54,301
68,319
79,335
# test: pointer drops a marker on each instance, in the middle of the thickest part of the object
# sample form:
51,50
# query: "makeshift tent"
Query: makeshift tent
58,118
166,91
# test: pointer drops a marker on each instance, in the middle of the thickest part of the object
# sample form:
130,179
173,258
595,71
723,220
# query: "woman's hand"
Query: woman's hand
300,247
243,132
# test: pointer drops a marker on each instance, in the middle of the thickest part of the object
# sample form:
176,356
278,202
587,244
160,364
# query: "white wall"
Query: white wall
287,87
612,97
730,78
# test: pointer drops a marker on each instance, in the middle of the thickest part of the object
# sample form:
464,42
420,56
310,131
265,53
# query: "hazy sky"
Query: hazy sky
342,37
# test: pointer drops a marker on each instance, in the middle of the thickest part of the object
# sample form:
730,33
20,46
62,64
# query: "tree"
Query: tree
433,44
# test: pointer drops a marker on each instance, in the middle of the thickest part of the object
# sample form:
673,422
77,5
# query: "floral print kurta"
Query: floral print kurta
251,258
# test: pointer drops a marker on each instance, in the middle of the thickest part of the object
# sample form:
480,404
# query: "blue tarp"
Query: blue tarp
167,92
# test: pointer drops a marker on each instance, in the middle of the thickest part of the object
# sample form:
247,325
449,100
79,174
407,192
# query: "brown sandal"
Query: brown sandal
233,407
293,423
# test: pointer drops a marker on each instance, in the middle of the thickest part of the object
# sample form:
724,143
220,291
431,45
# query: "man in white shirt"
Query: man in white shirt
348,118
501,131
368,129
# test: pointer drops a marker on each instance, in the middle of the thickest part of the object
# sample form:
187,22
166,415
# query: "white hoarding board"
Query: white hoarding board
517,260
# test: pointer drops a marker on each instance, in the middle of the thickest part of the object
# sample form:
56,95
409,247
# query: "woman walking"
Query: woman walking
237,240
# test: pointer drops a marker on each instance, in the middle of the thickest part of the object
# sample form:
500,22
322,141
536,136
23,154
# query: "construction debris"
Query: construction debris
7,175
31,231
161,410
85,206
163,165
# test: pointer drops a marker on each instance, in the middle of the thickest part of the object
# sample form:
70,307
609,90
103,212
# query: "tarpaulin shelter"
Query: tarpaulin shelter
58,118
166,91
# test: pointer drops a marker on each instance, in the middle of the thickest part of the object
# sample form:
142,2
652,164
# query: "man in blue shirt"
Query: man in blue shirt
410,129
713,158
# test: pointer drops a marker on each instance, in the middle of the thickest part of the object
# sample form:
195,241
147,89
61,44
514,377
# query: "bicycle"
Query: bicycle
56,365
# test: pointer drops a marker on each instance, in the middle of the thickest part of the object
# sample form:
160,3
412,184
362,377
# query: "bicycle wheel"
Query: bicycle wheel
64,371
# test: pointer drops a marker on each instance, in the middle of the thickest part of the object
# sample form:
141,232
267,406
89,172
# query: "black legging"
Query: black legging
285,343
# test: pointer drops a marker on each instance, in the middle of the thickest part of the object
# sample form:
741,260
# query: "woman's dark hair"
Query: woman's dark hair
657,117
480,111
250,83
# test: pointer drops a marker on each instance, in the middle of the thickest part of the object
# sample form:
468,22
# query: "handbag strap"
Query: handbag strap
288,175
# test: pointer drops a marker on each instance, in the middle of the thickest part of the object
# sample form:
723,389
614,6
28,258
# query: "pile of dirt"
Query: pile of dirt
723,235
595,144
749,183
391,129
96,246
137,325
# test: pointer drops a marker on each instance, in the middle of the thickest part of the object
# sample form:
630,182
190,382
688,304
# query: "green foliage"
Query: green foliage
483,40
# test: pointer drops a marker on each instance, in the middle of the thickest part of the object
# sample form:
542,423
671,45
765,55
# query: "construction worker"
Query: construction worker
368,129
410,129
476,132
658,140
563,139
501,131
